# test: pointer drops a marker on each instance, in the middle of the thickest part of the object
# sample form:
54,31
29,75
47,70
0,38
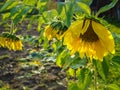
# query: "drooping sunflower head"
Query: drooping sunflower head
10,41
55,30
90,38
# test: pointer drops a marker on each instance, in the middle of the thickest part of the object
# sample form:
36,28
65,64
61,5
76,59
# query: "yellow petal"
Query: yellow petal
75,45
105,36
81,49
85,26
76,27
100,50
89,50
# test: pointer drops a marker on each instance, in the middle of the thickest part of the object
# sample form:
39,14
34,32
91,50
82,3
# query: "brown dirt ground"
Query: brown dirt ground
19,78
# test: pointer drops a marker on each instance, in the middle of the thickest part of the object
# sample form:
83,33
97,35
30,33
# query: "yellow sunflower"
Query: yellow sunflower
90,38
55,30
11,42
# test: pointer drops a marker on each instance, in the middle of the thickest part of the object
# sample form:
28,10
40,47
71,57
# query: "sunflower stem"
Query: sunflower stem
12,27
95,76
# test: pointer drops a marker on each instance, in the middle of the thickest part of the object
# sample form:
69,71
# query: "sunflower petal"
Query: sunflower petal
105,36
76,27
100,50
85,26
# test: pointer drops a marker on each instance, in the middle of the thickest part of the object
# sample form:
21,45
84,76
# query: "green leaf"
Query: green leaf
87,81
105,66
40,22
85,77
72,85
62,13
77,62
21,15
60,60
40,4
61,5
8,4
84,7
69,12
15,10
30,2
114,27
49,15
32,20
116,37
113,87
107,7
102,68
71,72
6,16
116,59
80,74
68,61
46,43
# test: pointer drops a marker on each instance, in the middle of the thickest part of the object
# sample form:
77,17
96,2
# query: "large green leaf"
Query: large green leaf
62,13
113,87
84,76
84,7
80,74
107,7
87,81
116,59
49,15
69,12
72,85
8,4
61,6
105,66
15,10
70,62
77,62
102,68
21,15
5,16
61,58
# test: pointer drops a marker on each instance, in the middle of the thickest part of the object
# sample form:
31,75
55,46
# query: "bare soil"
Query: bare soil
19,78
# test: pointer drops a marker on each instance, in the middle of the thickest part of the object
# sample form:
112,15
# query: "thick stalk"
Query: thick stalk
95,76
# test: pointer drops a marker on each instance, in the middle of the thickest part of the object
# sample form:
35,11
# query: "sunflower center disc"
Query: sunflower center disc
89,35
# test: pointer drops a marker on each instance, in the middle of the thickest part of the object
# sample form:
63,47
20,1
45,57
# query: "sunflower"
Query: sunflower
90,38
55,30
11,42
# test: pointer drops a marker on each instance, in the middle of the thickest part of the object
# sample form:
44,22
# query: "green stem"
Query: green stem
11,27
95,76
